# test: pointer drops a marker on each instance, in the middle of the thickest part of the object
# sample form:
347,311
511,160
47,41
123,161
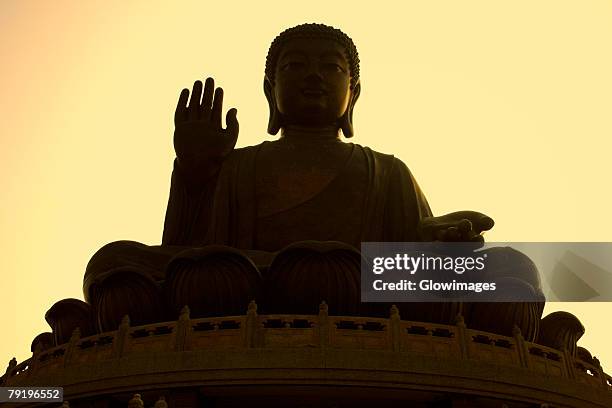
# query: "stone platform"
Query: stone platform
311,360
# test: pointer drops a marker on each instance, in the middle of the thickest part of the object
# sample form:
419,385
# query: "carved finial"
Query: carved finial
252,307
596,362
516,331
12,364
136,402
125,322
394,312
459,320
161,403
323,308
65,404
185,313
76,334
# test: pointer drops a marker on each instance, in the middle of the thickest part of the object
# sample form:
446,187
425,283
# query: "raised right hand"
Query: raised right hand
199,140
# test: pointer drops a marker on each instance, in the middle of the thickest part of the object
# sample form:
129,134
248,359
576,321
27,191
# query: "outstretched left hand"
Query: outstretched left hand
460,226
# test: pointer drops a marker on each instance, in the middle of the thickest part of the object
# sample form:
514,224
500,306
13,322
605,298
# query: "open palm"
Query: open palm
199,138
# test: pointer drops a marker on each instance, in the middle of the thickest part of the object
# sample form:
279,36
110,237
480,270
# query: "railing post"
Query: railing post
521,346
252,325
76,335
9,371
323,325
183,330
34,361
394,329
600,371
462,335
121,337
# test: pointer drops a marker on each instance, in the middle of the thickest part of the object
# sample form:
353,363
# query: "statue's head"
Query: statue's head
312,78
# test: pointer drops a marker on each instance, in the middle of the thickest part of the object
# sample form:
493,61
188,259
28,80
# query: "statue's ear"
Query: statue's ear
274,124
346,121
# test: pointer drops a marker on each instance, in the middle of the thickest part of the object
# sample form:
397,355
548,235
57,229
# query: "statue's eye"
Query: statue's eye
332,67
293,65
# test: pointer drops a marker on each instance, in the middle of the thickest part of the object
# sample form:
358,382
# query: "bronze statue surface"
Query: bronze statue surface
262,221
309,184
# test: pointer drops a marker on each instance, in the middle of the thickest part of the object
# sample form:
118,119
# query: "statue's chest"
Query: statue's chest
286,177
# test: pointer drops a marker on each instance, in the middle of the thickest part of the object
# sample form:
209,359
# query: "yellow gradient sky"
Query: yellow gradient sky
498,106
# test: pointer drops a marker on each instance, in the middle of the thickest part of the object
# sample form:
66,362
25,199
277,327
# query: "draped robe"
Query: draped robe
373,197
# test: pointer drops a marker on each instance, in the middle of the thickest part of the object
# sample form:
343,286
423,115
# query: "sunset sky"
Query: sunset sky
496,106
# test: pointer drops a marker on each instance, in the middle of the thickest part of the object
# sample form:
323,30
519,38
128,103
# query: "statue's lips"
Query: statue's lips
313,93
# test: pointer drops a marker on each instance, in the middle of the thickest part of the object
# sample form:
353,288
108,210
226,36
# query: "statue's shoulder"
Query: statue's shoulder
243,155
247,150
382,160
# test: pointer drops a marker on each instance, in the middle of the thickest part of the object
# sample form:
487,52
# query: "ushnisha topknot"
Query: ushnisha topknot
313,30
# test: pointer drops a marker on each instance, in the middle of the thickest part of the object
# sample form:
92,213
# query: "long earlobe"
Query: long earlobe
274,124
346,121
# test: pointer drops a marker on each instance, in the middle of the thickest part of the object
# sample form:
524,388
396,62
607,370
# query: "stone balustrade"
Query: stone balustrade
215,350
295,331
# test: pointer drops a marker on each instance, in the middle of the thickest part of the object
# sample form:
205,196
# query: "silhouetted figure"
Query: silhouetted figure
232,210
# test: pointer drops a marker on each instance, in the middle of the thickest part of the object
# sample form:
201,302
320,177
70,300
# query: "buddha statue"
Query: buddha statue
309,184
282,221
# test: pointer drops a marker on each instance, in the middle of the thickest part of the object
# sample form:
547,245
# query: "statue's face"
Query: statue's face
312,82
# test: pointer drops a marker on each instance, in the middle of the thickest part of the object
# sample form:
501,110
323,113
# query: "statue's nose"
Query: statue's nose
314,73
313,78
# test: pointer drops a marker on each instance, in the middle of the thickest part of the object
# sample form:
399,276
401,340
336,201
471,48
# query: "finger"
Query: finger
434,228
217,107
181,107
470,235
484,223
194,103
207,98
465,225
232,123
480,222
453,234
